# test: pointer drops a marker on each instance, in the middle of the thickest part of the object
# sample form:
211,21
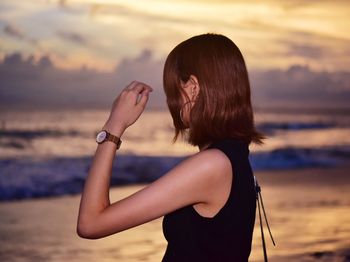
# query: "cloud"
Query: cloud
13,31
16,32
305,50
298,86
73,37
312,33
129,10
38,83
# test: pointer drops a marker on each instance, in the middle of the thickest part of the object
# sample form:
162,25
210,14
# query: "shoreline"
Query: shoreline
121,178
307,209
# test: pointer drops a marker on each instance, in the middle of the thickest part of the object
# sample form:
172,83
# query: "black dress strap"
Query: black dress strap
259,199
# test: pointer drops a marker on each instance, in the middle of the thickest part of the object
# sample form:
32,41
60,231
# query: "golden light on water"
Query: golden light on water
306,218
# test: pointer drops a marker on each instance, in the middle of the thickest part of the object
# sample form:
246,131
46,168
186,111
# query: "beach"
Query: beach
274,74
308,211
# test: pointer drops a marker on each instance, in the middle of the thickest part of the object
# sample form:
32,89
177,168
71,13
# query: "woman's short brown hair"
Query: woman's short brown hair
223,106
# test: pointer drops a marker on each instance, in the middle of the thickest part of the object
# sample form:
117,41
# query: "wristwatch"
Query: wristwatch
103,136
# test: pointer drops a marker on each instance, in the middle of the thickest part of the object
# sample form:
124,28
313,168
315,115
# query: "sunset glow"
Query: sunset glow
100,34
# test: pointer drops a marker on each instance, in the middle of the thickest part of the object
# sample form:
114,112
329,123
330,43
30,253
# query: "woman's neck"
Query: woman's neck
203,147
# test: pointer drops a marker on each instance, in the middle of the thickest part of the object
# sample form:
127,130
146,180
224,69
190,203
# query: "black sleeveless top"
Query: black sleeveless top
228,235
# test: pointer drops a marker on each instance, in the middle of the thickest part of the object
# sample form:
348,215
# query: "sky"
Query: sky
82,53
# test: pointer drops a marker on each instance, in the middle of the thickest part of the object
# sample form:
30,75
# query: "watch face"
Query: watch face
101,136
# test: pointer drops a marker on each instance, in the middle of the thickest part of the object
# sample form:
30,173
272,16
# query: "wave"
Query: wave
45,177
31,134
270,127
34,178
264,126
292,157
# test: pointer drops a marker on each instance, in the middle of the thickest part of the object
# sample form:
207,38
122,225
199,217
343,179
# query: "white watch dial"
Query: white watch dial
101,136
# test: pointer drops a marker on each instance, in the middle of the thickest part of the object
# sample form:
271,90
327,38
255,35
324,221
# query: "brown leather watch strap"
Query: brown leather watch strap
114,139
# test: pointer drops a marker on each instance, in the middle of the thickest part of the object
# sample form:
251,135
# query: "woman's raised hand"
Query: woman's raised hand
127,107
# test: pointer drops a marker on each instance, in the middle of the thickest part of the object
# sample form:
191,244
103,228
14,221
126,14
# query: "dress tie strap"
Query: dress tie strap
259,199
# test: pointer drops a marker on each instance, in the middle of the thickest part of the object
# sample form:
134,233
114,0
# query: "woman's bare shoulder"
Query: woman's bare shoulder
213,160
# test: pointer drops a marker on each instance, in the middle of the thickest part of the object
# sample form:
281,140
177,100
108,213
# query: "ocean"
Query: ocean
48,153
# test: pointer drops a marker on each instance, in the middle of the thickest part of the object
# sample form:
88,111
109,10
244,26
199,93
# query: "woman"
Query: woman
208,200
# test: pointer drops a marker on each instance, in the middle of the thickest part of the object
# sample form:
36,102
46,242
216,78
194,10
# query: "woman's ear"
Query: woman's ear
194,86
193,80
191,87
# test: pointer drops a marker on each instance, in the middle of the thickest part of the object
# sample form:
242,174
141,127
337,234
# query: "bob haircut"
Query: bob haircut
223,106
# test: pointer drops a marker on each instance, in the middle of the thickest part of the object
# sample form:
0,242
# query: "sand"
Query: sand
308,211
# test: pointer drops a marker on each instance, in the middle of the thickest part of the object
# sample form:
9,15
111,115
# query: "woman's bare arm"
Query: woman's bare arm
192,181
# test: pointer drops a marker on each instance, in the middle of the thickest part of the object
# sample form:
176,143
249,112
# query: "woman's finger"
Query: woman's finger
131,85
144,98
140,87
